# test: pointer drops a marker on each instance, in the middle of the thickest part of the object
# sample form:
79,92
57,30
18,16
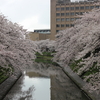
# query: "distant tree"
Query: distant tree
46,45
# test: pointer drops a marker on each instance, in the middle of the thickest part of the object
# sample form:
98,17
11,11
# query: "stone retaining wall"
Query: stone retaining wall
8,83
80,83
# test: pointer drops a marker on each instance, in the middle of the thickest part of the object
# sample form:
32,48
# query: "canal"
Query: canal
45,83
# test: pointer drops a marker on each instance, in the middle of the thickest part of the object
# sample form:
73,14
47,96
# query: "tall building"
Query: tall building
64,13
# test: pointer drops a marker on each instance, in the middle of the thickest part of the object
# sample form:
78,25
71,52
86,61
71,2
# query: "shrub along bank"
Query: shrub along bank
77,65
45,58
5,73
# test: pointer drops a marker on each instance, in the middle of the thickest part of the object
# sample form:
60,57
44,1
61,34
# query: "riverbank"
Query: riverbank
82,85
71,71
68,73
92,95
9,82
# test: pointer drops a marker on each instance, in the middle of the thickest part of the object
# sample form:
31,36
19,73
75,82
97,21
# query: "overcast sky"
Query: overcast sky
32,14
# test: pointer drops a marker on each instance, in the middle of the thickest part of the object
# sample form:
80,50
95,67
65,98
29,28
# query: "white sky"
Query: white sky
31,14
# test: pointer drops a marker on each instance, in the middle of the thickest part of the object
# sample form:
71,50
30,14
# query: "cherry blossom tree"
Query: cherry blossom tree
15,50
46,45
82,43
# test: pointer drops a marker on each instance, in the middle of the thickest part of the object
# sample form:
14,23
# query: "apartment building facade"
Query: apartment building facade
64,13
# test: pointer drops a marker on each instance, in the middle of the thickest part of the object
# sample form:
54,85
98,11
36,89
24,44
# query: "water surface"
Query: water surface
41,86
32,86
35,86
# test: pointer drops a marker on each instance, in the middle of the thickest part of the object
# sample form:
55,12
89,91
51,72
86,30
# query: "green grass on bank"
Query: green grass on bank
46,58
76,65
4,73
94,69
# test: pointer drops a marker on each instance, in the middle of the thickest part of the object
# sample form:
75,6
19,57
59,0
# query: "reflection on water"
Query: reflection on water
41,85
32,74
32,86
25,95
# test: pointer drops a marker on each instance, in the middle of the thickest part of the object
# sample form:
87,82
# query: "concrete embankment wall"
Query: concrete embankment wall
8,83
80,83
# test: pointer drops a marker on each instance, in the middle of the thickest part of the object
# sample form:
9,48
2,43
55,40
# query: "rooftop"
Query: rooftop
47,31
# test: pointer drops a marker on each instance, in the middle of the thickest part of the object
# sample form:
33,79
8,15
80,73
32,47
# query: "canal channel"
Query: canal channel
45,84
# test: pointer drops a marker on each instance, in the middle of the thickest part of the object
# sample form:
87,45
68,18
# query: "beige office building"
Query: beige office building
41,34
64,13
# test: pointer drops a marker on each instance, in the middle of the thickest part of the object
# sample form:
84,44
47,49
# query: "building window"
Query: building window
81,2
72,19
67,25
77,18
62,14
67,8
62,8
62,19
97,7
72,25
71,8
91,7
62,25
58,19
57,9
57,14
58,25
72,14
82,8
77,8
86,7
57,30
67,14
81,13
67,19
77,13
